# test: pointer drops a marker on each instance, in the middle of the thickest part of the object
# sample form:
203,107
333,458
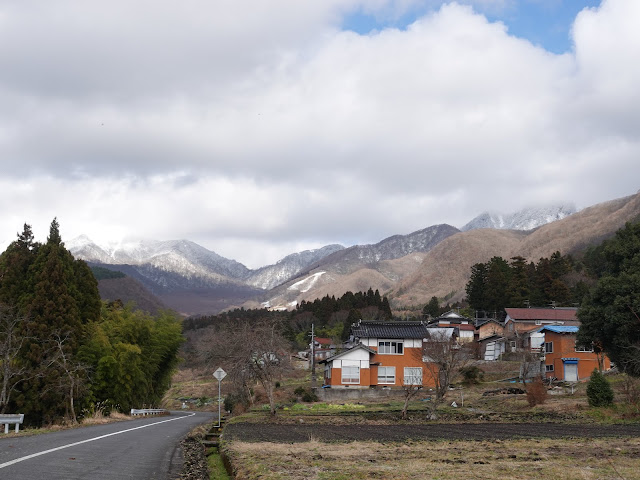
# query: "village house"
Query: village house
520,320
323,348
465,328
488,327
385,354
564,358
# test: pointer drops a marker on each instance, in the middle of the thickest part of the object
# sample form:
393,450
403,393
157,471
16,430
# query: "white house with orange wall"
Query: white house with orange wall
385,354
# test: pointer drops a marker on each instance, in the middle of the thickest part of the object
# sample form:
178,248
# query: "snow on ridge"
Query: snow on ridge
306,284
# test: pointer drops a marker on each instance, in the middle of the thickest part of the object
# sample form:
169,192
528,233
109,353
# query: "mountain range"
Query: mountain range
525,219
409,269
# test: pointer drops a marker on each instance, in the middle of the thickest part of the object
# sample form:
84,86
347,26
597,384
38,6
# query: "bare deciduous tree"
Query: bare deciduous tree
411,386
73,375
443,358
251,352
12,371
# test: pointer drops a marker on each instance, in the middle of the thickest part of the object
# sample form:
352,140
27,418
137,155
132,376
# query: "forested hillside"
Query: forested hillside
62,350
331,317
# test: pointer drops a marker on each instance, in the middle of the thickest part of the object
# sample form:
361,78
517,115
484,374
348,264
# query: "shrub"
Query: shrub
536,392
472,375
599,392
230,401
299,391
309,397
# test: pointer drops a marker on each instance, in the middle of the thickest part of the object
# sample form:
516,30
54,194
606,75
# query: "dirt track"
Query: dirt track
251,432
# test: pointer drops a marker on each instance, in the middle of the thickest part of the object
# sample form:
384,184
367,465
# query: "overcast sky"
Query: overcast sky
260,128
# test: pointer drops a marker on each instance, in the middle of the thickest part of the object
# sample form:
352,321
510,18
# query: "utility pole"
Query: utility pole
313,357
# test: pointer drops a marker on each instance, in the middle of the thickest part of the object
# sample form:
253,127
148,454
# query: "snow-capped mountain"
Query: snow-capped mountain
178,265
525,219
182,257
271,276
390,248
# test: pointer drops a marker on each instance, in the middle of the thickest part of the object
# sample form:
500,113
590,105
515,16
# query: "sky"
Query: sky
258,129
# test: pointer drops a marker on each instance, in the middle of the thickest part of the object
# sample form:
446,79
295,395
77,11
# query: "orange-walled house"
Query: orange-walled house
385,355
564,359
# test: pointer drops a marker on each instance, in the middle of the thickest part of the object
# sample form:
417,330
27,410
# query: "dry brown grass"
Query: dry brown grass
98,418
542,459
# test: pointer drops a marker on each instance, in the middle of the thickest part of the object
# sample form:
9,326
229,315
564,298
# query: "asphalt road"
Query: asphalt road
145,448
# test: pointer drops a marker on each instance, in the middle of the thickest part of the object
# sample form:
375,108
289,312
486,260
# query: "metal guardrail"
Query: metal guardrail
149,411
11,419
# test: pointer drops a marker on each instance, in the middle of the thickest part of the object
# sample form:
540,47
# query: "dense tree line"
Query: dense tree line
331,317
610,314
499,283
61,349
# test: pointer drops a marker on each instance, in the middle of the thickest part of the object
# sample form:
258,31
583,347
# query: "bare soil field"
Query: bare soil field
295,433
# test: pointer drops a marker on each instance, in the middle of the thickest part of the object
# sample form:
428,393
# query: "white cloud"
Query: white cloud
256,128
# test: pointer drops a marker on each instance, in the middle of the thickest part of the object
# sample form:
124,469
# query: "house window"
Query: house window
538,322
511,327
548,368
386,375
389,347
412,376
584,348
350,374
548,347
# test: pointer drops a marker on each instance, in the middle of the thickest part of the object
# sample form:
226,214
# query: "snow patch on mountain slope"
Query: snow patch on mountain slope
525,219
306,284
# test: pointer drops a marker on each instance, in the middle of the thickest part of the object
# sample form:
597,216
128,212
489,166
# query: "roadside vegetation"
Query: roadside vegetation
66,355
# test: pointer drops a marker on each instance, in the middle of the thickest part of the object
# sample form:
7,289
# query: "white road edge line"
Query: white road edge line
33,455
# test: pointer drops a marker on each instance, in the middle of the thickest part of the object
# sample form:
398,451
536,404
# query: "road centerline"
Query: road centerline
62,447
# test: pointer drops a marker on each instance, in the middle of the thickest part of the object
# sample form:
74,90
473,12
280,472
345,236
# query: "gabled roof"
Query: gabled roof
442,333
560,328
389,330
483,321
342,354
324,341
556,314
493,337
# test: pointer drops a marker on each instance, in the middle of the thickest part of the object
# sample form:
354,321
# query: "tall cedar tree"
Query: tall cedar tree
432,309
61,296
518,290
476,287
498,280
14,268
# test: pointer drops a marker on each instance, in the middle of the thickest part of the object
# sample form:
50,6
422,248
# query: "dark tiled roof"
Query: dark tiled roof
390,330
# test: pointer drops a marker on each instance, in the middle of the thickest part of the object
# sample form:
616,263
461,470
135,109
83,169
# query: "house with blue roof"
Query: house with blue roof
564,358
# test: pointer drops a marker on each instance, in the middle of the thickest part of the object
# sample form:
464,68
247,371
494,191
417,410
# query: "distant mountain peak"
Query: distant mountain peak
525,219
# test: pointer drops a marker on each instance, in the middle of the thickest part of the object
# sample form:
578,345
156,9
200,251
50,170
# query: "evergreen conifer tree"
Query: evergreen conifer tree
599,392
